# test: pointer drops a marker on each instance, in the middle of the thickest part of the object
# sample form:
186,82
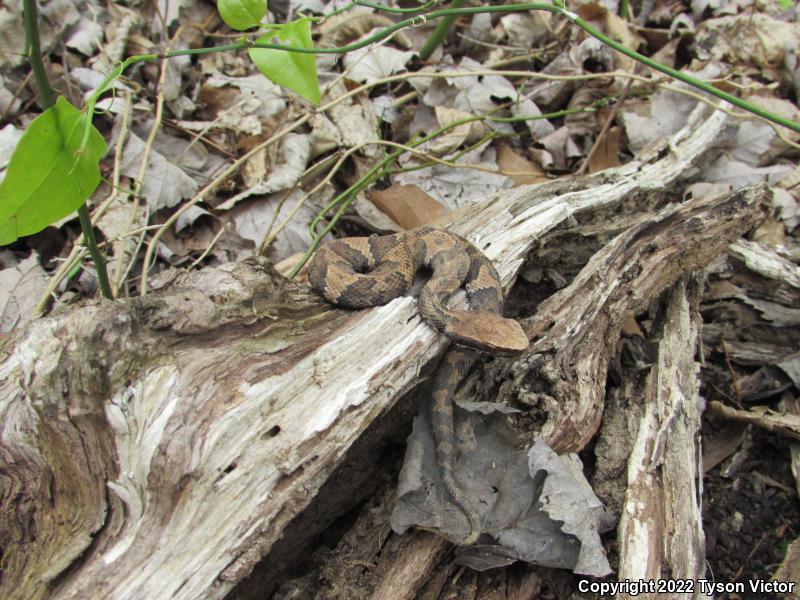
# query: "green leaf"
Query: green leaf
785,4
242,14
293,70
47,177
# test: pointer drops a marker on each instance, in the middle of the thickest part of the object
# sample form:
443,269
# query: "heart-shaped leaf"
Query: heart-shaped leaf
49,175
242,14
293,70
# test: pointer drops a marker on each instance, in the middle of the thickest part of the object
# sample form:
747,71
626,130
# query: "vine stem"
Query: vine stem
97,257
344,199
440,32
47,98
446,13
30,20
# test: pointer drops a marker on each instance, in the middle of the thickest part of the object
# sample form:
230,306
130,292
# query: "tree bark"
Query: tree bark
158,447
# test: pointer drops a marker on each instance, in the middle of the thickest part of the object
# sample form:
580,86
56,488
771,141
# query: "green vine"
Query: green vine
454,12
293,66
47,98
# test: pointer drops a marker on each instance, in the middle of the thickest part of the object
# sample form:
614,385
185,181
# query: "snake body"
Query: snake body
361,272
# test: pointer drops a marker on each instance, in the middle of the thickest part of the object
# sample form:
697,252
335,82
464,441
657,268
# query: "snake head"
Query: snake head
486,331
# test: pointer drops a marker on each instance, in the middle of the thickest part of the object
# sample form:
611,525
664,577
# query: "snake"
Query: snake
362,272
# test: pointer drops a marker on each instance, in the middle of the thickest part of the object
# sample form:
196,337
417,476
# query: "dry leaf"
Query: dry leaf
523,30
561,148
606,152
454,187
238,103
788,206
21,286
666,114
519,169
738,174
370,64
454,138
119,218
631,328
617,28
347,27
374,218
265,174
86,36
751,38
253,218
164,183
407,205
356,121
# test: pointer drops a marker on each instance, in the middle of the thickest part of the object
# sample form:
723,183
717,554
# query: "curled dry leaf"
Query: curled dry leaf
370,64
750,38
520,170
123,22
605,154
524,30
534,505
357,123
456,137
86,36
347,27
238,103
561,149
407,205
266,173
476,95
666,113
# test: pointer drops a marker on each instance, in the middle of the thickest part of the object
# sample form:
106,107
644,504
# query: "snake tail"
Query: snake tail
452,369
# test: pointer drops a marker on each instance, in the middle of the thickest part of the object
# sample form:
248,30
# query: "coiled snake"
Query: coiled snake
368,271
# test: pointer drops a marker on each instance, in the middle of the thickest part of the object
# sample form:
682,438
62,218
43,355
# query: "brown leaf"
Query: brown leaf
407,205
631,328
606,154
520,170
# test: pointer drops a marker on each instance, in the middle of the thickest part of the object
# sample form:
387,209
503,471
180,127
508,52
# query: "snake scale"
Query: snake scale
360,272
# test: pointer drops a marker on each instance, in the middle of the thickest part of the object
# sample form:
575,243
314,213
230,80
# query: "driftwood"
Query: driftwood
159,447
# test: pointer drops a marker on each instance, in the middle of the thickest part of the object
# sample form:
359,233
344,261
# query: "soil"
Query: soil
751,513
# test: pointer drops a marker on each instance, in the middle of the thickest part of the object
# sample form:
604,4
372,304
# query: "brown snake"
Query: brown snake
368,271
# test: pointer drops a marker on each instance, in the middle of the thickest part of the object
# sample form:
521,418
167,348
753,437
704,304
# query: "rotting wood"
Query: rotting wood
661,531
575,331
157,447
786,424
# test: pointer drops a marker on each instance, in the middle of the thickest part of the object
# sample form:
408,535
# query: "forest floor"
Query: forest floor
276,163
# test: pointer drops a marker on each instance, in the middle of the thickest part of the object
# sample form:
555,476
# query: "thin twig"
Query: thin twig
207,190
271,235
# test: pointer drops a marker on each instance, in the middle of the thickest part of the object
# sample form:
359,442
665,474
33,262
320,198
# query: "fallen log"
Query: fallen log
158,447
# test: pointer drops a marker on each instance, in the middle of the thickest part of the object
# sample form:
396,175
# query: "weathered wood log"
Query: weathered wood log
575,331
661,532
158,447
661,528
